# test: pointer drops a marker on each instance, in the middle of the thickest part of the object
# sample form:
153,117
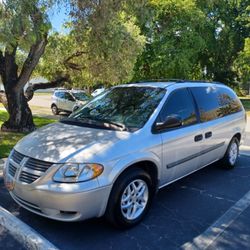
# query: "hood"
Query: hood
60,142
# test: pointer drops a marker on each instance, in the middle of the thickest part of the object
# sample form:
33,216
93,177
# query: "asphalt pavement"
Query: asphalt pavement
181,212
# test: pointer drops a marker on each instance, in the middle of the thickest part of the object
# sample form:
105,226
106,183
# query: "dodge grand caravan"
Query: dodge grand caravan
110,157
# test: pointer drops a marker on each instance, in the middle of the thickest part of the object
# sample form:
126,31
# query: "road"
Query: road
180,213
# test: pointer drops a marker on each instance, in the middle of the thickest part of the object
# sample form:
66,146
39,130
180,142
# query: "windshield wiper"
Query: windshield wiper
121,126
116,124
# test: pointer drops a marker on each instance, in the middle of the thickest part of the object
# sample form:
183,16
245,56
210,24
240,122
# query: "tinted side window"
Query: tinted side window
215,102
207,101
58,94
228,101
62,95
180,103
68,96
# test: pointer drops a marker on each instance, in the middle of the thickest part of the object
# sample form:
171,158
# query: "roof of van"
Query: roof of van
167,83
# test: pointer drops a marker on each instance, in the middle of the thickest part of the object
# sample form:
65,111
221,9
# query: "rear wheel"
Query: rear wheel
130,198
230,158
54,110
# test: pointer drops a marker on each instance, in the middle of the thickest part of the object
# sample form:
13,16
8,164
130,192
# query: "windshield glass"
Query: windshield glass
81,96
129,106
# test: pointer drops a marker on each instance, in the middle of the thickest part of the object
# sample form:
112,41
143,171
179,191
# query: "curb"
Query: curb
213,232
245,150
24,234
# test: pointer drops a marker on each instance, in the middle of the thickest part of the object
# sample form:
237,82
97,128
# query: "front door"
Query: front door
181,145
69,102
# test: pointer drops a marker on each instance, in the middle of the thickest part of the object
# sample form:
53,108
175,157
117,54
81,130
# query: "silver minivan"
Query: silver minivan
110,157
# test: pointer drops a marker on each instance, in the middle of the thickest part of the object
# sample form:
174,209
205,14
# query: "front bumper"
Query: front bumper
61,206
58,201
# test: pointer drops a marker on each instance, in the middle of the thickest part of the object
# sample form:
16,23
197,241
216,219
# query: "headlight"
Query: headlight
73,172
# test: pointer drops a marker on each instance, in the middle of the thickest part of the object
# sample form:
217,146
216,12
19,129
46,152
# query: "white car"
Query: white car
110,157
68,100
97,92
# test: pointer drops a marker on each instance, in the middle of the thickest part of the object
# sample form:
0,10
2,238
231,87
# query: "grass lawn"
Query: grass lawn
8,140
246,103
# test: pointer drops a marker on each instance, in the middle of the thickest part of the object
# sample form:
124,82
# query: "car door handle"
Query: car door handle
198,137
208,134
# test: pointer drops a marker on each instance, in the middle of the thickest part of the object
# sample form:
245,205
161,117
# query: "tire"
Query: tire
137,203
54,109
230,158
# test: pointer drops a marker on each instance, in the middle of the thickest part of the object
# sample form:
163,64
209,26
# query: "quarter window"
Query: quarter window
229,102
215,102
180,103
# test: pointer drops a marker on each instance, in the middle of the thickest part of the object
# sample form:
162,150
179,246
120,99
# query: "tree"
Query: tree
174,42
107,41
225,31
242,66
24,28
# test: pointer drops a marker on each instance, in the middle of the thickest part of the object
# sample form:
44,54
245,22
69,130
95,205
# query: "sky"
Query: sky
58,16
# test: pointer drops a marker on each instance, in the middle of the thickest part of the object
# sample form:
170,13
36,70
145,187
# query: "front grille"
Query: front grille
12,170
38,165
28,177
31,168
17,157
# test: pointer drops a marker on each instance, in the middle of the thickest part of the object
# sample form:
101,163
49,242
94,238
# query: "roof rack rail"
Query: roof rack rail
175,81
159,80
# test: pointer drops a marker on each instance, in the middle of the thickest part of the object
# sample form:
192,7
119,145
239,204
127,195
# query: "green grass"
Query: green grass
9,139
246,103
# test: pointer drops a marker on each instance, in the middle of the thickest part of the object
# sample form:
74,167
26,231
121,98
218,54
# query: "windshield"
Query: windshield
81,96
130,107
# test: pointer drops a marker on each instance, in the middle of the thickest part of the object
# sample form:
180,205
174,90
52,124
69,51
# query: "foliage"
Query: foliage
242,64
226,28
17,26
102,46
174,41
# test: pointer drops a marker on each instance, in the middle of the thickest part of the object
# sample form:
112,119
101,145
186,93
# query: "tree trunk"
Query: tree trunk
20,116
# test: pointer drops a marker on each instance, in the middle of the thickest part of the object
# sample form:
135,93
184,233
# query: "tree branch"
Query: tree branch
72,65
77,54
36,50
29,93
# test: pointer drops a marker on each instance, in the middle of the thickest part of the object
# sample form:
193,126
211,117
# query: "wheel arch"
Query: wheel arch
149,165
238,136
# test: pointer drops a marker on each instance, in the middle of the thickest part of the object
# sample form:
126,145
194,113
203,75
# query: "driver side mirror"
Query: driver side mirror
172,121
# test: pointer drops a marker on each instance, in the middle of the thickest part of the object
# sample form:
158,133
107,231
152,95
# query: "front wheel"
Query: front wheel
231,155
54,110
130,198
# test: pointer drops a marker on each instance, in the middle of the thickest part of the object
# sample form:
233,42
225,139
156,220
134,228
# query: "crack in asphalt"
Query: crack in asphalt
204,192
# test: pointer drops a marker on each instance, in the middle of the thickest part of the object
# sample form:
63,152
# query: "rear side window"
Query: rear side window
214,102
180,103
228,101
58,94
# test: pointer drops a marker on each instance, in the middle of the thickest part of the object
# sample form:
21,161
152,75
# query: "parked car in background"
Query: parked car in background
68,100
110,157
98,91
